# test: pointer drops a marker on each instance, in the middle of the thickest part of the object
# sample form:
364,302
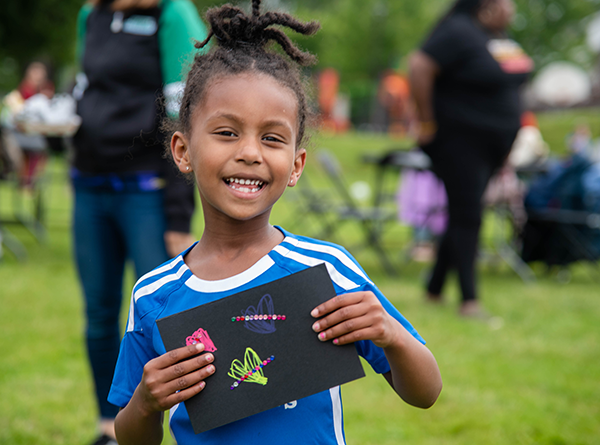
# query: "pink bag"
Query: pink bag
422,200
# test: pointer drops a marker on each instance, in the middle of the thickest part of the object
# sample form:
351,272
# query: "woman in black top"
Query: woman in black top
465,81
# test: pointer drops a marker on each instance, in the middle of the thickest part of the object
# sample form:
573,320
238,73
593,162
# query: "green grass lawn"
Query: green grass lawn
531,377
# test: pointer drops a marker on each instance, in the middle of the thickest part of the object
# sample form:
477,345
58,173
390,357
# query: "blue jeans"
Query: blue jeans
110,227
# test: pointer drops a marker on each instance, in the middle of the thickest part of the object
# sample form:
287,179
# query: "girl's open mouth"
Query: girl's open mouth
245,185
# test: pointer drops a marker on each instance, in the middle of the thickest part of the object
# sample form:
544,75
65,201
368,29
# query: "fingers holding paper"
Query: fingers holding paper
352,317
348,318
174,377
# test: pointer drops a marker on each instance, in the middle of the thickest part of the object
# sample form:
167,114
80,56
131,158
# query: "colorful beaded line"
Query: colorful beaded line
258,317
249,373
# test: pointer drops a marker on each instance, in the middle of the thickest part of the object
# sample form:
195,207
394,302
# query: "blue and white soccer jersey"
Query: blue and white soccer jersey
172,288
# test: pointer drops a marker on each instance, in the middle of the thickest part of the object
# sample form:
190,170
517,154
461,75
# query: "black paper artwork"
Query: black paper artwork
261,362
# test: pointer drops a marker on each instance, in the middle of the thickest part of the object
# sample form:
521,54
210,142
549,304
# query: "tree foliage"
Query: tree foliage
35,29
551,30
360,38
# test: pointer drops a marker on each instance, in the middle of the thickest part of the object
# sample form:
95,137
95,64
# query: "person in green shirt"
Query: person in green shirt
130,203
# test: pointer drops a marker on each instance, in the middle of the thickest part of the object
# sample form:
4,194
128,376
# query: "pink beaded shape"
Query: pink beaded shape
201,336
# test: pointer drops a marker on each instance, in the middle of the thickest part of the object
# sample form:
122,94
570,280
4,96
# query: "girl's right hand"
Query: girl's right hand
173,378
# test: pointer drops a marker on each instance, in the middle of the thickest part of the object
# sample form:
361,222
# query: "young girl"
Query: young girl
243,117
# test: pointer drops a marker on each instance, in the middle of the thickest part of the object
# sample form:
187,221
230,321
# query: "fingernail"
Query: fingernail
200,347
202,385
315,312
210,357
322,335
316,327
336,341
211,369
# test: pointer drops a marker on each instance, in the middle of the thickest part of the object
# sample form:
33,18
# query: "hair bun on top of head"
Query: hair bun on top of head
233,28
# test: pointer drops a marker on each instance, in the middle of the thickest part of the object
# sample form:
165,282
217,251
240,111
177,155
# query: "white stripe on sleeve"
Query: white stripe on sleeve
329,250
339,279
151,288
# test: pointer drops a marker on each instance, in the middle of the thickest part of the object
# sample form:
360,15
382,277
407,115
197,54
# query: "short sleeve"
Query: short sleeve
180,26
448,41
82,17
133,356
136,350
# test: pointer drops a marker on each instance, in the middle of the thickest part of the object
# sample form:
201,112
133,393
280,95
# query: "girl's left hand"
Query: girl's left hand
355,316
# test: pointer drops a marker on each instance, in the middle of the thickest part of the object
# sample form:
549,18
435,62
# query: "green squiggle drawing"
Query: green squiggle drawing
250,370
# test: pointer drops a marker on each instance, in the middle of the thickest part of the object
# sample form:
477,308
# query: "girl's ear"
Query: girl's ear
299,163
179,150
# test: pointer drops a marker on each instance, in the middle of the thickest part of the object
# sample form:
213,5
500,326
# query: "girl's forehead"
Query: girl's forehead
263,82
247,91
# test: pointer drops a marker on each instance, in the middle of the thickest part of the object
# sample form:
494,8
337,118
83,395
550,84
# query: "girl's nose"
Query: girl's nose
250,151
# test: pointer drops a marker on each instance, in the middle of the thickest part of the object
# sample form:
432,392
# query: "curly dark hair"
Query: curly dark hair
470,7
242,43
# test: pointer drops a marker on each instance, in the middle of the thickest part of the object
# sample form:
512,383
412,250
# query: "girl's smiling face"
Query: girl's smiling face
242,146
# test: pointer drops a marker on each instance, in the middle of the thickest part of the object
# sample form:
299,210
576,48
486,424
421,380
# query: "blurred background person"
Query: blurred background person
328,82
393,95
334,107
36,80
465,80
130,204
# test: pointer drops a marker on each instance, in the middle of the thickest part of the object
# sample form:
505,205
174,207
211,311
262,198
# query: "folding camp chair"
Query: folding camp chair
559,237
371,219
563,224
28,209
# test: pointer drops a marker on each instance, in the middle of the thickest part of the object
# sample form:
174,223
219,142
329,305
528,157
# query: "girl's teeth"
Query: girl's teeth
245,181
242,183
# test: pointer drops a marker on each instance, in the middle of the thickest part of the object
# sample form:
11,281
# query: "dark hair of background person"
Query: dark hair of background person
468,7
124,5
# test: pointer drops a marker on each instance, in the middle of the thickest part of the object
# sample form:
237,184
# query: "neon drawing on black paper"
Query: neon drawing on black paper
201,336
251,370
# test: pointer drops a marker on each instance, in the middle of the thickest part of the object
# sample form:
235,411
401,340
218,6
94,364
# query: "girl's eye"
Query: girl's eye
226,133
271,139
